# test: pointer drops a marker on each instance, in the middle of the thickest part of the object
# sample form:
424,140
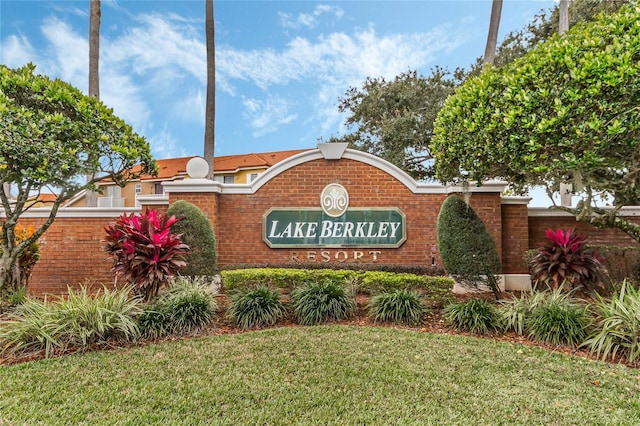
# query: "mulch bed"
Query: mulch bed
433,323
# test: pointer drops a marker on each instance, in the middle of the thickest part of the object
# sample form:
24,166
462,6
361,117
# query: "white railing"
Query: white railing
110,202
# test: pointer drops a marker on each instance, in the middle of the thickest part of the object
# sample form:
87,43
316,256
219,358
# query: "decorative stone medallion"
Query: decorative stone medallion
334,200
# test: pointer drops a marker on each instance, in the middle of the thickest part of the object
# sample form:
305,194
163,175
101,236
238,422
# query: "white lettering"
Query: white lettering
287,232
382,231
370,233
272,234
298,233
337,228
348,229
360,229
394,228
326,229
311,230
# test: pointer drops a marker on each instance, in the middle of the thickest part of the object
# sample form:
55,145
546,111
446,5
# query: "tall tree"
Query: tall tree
91,197
565,112
394,119
210,108
492,35
50,135
94,49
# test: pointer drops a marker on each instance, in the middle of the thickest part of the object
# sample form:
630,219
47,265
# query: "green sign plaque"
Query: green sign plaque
373,227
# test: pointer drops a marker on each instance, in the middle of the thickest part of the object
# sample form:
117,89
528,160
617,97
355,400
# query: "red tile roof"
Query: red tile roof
233,163
171,167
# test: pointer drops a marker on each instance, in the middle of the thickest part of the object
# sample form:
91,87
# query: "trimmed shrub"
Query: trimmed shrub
195,230
466,247
320,302
431,270
566,261
435,289
476,315
255,308
559,322
400,306
78,320
617,328
186,306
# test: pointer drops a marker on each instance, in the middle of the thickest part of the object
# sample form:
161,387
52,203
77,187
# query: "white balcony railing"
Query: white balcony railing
110,202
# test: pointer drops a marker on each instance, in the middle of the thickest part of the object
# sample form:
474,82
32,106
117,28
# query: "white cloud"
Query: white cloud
127,99
265,116
191,108
309,20
16,51
161,43
164,145
329,65
68,53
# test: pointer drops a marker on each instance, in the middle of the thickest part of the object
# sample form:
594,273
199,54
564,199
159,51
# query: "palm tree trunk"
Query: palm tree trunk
210,108
563,23
91,197
492,36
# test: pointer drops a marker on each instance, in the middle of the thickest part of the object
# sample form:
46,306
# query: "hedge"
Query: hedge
436,288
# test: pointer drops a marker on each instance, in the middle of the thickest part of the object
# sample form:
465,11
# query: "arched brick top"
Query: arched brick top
203,185
377,162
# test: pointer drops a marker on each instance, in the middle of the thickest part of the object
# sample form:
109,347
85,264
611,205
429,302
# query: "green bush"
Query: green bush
78,320
258,307
435,289
186,306
617,328
476,315
517,311
559,322
320,302
466,247
197,233
400,306
431,270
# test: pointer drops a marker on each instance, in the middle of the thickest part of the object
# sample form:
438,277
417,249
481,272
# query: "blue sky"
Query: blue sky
281,65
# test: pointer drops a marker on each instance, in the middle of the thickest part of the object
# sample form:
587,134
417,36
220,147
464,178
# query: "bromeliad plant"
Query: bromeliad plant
566,260
145,252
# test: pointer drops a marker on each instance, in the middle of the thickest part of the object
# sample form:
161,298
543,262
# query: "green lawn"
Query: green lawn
321,375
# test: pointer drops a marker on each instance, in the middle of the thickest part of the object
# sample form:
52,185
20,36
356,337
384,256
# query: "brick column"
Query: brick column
515,234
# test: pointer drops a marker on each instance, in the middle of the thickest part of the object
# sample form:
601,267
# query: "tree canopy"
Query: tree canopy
394,119
568,111
51,136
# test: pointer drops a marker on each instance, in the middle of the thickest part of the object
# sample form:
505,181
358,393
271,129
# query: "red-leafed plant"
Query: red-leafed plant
145,252
565,260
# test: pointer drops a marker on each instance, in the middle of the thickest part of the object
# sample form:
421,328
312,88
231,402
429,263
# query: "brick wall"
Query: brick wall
72,248
538,224
71,254
515,238
239,225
